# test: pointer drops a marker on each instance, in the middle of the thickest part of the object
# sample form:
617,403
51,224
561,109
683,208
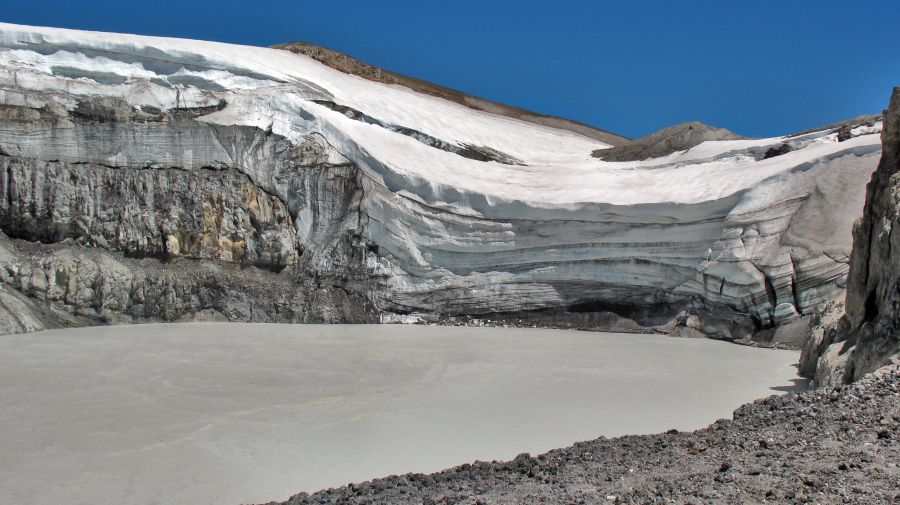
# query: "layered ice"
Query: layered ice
453,210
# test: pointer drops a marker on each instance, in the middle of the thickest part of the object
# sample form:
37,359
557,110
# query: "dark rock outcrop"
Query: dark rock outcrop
777,151
869,333
58,285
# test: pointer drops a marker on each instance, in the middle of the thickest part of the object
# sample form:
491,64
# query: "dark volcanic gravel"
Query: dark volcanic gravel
822,446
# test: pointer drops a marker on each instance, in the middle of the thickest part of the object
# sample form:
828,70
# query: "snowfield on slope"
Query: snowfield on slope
558,167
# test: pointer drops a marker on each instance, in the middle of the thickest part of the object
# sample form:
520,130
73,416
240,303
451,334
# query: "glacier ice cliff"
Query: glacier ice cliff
147,178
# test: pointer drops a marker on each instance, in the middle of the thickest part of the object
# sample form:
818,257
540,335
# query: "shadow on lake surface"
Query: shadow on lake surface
797,385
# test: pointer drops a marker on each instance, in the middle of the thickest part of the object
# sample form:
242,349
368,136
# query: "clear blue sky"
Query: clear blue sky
759,67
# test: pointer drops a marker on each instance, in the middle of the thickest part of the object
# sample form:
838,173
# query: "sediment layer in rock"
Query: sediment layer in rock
58,285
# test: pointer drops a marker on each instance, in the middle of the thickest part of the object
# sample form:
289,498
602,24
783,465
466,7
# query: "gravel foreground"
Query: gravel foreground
821,446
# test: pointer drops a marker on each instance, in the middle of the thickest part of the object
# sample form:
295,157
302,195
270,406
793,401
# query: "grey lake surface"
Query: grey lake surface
231,413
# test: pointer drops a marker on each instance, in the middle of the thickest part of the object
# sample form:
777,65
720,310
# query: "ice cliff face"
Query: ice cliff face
259,184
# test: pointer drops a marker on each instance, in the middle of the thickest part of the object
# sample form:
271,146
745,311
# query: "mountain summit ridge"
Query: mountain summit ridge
354,66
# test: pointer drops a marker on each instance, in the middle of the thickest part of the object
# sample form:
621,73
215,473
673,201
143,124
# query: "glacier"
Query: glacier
163,179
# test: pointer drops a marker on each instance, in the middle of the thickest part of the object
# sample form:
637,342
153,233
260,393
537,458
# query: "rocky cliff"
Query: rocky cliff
868,335
146,178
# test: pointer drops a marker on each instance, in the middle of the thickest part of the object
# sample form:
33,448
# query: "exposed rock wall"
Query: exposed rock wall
869,333
128,216
50,285
205,214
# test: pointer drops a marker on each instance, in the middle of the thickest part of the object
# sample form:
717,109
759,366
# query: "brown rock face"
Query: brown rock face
161,213
869,333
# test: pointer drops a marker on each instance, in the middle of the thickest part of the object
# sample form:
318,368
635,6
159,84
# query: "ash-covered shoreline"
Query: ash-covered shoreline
836,445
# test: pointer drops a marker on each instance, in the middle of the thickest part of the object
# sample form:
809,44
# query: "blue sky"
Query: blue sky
759,68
